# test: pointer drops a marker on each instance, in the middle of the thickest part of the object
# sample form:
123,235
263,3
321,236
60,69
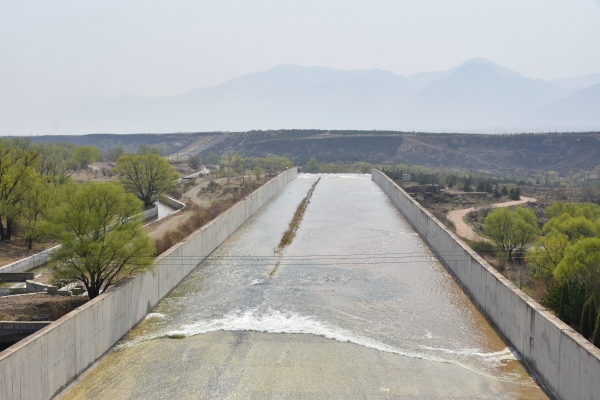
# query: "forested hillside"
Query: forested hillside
499,154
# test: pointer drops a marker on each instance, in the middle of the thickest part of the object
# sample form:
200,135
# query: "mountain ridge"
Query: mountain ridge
475,96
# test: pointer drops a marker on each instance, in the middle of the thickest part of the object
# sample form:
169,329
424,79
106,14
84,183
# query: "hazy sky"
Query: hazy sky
55,50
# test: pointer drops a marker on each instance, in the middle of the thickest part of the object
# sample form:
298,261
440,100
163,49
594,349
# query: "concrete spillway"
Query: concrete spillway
356,307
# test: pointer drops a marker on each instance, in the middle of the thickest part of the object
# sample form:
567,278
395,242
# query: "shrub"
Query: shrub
585,326
596,335
484,248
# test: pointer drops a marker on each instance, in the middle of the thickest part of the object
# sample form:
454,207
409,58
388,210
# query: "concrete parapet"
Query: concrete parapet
29,263
41,365
566,364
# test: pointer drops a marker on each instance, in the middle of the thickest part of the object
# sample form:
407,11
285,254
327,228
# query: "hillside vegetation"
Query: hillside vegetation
509,155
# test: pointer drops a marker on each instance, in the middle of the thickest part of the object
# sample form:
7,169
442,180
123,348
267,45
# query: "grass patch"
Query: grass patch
289,235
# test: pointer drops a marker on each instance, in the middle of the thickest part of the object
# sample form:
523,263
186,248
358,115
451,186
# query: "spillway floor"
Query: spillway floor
356,307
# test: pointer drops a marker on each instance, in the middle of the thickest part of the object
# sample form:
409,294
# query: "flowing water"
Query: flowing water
356,306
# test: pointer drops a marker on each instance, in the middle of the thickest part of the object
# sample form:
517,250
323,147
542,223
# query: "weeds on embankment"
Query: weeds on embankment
200,217
289,235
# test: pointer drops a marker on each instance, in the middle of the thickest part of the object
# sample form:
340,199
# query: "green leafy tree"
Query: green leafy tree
565,301
54,164
364,167
515,194
258,172
85,155
17,167
213,158
547,253
36,204
144,149
147,176
100,229
586,326
581,263
576,228
512,232
467,185
313,165
114,154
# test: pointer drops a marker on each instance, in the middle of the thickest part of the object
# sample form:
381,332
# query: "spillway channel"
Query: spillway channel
356,306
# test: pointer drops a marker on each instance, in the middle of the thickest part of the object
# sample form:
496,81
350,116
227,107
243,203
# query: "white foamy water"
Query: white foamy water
283,322
153,315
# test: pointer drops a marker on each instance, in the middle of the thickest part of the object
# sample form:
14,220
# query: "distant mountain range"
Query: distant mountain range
476,96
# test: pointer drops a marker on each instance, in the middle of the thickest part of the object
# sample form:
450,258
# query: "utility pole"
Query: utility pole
228,163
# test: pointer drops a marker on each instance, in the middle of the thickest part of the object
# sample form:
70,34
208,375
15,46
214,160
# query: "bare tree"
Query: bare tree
194,162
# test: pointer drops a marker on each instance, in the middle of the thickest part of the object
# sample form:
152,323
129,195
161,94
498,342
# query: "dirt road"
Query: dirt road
465,231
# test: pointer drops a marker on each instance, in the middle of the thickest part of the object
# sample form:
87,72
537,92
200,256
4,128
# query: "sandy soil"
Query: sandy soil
465,231
24,307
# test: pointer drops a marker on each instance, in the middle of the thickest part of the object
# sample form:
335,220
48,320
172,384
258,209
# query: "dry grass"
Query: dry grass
200,217
288,235
23,308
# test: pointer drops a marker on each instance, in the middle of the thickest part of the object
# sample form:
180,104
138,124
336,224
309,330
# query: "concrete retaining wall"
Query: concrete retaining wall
565,363
150,213
174,204
29,263
39,366
36,287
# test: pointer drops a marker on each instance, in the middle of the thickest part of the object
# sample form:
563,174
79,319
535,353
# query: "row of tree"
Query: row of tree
313,166
567,257
564,254
236,165
97,224
31,175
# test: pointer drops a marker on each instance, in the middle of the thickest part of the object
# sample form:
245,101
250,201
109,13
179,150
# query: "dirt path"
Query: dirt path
465,231
157,228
